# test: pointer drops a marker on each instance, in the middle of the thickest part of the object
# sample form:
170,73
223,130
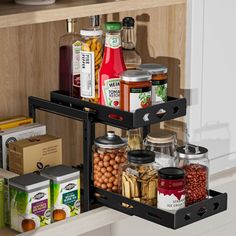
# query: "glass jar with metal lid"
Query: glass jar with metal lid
109,153
135,90
194,160
139,177
159,81
163,143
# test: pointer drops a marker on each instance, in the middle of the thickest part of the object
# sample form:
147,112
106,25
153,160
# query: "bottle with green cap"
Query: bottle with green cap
112,66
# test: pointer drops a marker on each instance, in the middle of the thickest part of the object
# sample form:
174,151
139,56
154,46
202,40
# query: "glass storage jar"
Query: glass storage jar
194,160
91,59
109,153
163,143
159,81
139,177
135,90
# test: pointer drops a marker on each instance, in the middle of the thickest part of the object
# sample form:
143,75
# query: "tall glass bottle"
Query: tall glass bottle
69,61
131,56
112,66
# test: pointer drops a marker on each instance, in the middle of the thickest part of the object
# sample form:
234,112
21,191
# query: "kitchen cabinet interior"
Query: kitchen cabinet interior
29,53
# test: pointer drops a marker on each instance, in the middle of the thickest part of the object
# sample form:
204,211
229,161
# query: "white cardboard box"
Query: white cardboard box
16,134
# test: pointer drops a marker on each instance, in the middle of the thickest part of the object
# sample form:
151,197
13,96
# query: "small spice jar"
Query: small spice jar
108,154
163,143
171,188
194,160
139,177
135,90
91,59
134,139
159,81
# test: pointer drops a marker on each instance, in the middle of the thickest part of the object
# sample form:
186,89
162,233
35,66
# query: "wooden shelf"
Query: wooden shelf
15,15
7,232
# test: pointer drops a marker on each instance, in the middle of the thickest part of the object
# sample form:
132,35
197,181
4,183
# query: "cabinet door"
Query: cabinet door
212,114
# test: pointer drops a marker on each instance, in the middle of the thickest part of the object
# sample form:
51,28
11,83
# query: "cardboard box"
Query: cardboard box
6,175
13,122
33,154
2,223
16,134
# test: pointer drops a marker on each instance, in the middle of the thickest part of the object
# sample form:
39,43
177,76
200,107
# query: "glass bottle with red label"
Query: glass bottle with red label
69,61
112,66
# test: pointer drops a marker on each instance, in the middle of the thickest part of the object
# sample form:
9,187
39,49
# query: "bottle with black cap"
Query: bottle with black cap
131,56
139,177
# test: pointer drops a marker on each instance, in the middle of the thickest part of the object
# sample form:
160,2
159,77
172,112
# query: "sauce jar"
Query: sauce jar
171,188
139,177
135,90
194,160
163,143
91,59
108,154
159,81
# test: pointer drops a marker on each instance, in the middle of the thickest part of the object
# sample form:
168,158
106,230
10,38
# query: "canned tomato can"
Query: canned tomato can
171,188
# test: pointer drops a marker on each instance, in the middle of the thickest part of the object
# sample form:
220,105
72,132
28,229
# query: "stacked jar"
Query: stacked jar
91,59
109,153
163,143
194,160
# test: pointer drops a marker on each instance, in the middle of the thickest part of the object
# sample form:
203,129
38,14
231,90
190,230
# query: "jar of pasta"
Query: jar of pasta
90,61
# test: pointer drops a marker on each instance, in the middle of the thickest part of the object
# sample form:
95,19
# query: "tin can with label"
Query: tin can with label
171,188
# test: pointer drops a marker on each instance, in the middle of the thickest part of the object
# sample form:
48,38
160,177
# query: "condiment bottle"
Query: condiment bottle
112,66
134,139
159,81
135,90
171,189
91,59
69,61
131,56
139,177
109,153
194,160
163,143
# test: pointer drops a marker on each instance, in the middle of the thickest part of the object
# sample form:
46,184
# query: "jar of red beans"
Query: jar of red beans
194,160
109,153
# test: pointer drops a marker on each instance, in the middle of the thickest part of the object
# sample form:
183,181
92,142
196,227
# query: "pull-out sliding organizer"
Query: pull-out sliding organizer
90,114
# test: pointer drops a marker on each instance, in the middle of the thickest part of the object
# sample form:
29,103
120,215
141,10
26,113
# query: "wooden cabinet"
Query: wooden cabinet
29,37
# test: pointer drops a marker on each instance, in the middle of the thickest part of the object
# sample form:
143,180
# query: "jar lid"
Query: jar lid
154,69
192,151
171,173
135,76
91,32
128,21
141,156
161,137
113,26
110,140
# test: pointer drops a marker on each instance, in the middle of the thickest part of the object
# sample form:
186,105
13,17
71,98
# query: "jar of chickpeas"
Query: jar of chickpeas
109,153
91,59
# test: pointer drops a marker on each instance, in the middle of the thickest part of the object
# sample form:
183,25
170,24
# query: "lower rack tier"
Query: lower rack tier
216,203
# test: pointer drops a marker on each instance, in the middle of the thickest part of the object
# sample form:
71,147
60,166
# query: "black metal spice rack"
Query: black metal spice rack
74,108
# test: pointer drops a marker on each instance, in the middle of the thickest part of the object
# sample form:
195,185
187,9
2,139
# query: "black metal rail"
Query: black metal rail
74,108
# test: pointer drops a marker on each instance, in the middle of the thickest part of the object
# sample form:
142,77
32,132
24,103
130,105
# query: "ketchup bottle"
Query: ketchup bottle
112,66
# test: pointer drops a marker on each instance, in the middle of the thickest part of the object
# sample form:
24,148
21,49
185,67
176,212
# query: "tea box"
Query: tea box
65,191
29,202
